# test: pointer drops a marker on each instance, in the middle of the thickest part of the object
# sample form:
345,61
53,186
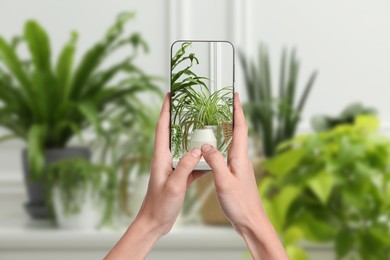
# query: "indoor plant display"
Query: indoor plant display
332,186
78,192
274,119
47,104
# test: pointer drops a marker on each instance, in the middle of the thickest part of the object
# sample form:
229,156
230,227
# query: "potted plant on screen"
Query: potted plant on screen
46,104
203,117
197,113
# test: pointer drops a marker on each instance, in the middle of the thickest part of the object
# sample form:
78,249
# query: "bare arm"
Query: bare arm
164,198
238,195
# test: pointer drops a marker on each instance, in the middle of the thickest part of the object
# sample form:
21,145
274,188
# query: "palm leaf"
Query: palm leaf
65,65
11,60
35,158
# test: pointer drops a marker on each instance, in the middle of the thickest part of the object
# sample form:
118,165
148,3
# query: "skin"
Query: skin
235,186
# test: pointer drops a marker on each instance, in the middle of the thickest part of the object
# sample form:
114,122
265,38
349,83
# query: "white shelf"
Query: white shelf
40,240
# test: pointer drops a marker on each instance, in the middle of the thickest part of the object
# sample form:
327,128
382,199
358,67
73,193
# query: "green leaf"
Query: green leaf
35,158
322,184
11,60
96,54
277,206
292,235
264,185
314,228
367,122
344,242
91,113
39,45
285,162
65,64
296,253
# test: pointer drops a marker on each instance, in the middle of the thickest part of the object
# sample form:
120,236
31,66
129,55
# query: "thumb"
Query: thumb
185,167
216,161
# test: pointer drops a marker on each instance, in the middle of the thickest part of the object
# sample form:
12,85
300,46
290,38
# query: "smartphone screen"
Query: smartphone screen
202,87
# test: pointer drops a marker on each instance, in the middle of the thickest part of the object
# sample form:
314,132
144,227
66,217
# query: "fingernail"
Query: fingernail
206,148
196,152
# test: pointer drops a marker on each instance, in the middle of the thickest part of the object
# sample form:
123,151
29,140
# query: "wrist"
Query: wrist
255,224
146,227
150,226
141,235
262,239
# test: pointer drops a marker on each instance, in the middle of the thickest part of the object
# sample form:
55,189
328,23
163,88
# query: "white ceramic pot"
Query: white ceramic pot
88,218
200,137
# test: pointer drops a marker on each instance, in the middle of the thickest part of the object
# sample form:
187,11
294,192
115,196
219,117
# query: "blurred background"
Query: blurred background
81,84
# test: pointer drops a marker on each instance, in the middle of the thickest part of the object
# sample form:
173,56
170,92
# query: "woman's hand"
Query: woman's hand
164,198
238,195
167,187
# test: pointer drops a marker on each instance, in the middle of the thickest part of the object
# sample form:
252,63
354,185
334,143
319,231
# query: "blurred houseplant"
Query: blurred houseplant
138,147
126,143
332,186
46,105
78,192
273,118
347,116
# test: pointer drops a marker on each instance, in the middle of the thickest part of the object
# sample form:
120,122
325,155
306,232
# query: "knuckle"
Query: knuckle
185,163
213,154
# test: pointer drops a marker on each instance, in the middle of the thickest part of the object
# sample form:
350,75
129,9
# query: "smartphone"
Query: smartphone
202,93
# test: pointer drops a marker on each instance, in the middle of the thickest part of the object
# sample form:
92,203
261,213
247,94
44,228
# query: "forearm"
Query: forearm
262,240
136,243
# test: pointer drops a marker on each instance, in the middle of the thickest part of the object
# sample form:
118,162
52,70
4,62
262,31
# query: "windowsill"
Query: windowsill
41,235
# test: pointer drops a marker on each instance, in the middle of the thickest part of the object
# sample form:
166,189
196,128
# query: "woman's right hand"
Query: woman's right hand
238,195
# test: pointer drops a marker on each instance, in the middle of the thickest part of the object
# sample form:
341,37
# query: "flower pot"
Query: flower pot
200,137
36,206
88,217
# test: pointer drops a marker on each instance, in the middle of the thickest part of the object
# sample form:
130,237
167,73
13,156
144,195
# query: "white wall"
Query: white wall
347,41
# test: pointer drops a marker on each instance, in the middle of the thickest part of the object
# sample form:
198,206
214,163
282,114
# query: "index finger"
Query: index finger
239,147
161,141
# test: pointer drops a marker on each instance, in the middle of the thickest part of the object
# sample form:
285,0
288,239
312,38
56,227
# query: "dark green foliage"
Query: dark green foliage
46,104
274,118
347,116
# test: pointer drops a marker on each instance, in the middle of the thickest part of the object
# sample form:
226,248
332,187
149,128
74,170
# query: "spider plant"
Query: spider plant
202,108
206,107
275,119
46,104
